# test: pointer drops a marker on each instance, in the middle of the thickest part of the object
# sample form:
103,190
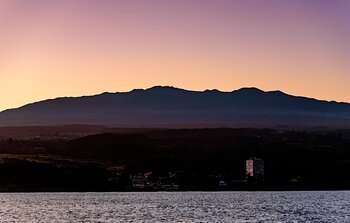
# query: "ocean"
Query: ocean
319,206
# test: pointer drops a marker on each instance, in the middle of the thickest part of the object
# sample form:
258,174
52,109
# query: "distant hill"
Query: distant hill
169,106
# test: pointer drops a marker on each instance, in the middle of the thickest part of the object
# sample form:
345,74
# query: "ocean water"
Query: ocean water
176,207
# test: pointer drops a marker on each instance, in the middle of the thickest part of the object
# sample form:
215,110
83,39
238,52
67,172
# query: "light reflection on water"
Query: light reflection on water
176,207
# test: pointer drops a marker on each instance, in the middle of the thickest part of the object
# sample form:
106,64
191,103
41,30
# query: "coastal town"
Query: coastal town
147,182
175,160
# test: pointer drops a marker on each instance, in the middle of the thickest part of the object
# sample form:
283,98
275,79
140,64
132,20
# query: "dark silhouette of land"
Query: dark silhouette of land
173,107
299,140
94,158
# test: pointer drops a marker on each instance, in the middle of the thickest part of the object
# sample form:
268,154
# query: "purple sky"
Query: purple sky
67,48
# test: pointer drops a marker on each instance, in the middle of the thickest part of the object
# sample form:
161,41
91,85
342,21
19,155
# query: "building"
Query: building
138,182
255,169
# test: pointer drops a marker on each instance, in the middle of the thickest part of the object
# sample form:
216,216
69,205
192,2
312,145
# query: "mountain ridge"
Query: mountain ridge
175,88
171,105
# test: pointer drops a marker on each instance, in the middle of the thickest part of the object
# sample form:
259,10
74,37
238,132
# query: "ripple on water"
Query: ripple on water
176,207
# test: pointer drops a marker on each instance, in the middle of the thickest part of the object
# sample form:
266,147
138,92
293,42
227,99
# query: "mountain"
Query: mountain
169,106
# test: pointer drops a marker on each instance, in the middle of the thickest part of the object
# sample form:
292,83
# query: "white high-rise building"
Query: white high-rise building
255,169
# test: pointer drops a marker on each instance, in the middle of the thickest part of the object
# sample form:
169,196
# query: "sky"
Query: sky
52,48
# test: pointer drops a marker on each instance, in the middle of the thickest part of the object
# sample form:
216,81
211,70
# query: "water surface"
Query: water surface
176,207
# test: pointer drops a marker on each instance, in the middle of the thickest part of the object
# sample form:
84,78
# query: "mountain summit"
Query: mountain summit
169,106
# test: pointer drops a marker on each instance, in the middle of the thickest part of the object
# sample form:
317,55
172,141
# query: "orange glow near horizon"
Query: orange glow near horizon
52,48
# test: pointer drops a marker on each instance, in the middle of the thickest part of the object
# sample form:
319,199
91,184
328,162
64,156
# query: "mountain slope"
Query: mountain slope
173,106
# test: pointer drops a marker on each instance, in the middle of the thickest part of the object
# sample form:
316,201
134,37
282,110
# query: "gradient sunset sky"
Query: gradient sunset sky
52,48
